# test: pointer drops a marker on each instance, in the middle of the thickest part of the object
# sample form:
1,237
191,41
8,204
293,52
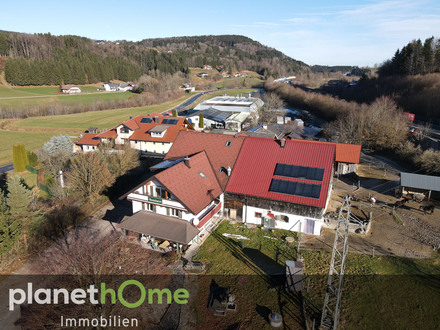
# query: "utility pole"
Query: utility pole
333,290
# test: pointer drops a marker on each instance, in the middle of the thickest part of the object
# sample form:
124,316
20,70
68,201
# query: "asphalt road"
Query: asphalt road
6,168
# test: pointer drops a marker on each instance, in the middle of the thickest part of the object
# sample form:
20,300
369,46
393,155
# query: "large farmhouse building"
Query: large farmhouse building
281,184
152,134
270,182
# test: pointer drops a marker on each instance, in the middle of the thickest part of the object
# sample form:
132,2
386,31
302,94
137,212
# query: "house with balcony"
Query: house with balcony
152,135
176,204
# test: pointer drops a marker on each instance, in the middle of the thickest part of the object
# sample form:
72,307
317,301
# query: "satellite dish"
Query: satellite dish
196,222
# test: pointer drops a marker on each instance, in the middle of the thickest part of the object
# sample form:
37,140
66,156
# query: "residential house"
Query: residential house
89,142
188,88
281,184
202,75
206,67
70,89
176,204
152,135
118,87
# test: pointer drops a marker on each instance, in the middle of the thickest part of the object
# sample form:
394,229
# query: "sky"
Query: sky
362,33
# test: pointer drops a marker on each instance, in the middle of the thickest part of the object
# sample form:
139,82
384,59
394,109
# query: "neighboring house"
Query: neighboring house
211,118
177,203
232,104
116,87
281,184
207,67
70,89
202,75
89,142
152,135
188,88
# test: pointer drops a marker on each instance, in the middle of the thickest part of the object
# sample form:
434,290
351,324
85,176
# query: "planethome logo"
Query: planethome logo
94,295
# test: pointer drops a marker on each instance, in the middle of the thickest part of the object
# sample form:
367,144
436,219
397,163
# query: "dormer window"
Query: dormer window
124,130
158,131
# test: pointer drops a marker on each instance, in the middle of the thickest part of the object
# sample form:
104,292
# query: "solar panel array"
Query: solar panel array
295,188
146,120
299,172
169,121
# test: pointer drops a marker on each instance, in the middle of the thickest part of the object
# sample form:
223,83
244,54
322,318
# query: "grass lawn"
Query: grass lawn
379,293
249,273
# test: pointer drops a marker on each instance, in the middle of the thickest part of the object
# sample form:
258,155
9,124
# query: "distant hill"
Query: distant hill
44,59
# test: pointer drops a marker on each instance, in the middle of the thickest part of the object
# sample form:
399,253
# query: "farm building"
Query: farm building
152,135
232,104
211,118
70,89
281,184
235,121
411,183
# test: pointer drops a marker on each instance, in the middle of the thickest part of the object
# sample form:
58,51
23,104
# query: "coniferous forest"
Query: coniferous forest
44,59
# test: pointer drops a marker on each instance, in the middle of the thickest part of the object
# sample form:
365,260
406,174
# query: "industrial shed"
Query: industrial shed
419,183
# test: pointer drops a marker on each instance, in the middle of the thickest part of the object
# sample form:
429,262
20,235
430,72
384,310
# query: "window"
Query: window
284,218
176,213
258,215
202,175
228,144
125,130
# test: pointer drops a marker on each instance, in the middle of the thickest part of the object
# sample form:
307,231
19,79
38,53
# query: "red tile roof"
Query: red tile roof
189,143
89,139
345,153
110,134
141,130
188,185
255,167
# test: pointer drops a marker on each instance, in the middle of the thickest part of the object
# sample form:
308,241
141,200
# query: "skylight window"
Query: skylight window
228,144
202,175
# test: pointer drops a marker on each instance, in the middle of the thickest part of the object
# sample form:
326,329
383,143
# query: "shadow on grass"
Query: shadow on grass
274,282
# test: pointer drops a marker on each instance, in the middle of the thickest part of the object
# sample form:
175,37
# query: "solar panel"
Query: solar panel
169,121
146,120
299,172
295,188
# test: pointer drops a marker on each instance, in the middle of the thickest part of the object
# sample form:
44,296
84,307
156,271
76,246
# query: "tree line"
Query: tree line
414,58
42,59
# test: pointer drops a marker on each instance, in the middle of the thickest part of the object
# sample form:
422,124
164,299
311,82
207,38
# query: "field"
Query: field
35,131
22,96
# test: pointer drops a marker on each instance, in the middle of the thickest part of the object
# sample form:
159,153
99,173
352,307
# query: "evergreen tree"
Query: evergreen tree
9,231
19,201
201,121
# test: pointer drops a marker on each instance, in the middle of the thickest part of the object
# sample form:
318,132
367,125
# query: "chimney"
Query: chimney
229,171
282,143
186,160
264,125
131,117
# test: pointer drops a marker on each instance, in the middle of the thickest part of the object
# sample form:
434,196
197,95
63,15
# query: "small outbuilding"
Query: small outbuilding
411,183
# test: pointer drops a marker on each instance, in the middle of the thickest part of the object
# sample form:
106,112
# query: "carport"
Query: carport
419,183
